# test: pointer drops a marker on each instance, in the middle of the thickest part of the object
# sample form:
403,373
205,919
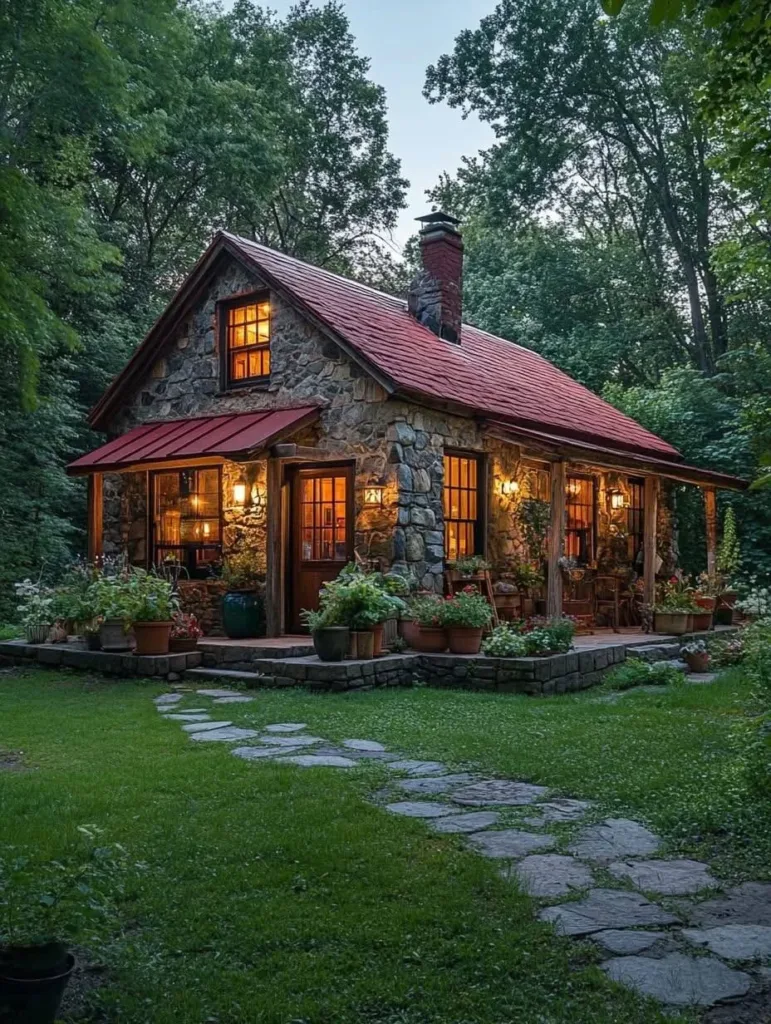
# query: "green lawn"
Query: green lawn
278,895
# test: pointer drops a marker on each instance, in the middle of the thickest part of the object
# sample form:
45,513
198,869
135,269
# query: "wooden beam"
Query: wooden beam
304,453
650,517
556,540
274,562
710,514
95,526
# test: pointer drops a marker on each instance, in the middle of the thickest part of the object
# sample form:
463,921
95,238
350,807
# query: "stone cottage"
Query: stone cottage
277,407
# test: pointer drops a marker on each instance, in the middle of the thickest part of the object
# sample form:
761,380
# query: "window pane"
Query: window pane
263,310
263,331
323,517
460,503
238,367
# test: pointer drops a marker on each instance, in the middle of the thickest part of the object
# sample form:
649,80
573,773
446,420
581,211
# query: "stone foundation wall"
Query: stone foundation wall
203,598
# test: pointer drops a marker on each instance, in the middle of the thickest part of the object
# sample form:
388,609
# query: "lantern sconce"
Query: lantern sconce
617,500
240,490
574,487
373,496
509,488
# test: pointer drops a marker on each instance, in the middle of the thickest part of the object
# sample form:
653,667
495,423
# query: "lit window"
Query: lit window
579,532
186,518
461,503
248,342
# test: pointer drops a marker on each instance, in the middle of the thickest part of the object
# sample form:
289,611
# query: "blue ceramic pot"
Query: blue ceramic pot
243,614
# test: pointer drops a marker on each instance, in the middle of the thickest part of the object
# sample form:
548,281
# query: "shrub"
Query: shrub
466,609
505,642
471,565
510,641
636,672
725,651
756,730
356,599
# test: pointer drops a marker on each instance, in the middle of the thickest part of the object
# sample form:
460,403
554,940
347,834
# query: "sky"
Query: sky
401,38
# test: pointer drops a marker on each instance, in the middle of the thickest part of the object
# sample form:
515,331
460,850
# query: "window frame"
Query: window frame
224,307
592,481
189,549
480,523
636,485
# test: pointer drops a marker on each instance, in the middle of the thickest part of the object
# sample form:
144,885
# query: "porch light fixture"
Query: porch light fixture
239,492
373,496
574,487
617,500
509,487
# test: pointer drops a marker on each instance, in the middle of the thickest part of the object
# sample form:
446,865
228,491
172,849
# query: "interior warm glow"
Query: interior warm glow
239,493
617,499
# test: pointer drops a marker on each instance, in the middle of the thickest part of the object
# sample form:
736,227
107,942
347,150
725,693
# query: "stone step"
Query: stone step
251,680
217,652
655,652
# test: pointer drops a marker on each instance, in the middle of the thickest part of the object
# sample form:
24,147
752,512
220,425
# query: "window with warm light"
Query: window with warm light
580,503
462,504
324,515
186,518
247,342
635,520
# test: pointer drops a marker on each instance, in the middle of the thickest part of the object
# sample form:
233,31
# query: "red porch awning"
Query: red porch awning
230,436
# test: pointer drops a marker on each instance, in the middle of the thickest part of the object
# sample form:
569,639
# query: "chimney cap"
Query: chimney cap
436,219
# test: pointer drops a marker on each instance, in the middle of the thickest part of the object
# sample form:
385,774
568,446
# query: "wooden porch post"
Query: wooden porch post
649,538
710,514
556,541
274,568
95,525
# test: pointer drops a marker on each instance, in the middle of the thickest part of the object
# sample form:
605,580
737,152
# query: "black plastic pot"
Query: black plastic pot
32,982
331,643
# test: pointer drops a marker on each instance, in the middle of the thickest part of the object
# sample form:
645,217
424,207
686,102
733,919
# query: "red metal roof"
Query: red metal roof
225,436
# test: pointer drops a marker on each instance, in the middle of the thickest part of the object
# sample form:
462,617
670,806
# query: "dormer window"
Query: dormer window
247,341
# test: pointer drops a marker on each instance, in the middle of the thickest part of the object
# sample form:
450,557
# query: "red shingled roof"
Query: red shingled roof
487,374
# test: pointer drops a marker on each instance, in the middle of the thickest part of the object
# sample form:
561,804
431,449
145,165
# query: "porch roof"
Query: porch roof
228,436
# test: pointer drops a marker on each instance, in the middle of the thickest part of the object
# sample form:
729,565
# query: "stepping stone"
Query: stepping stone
551,874
749,903
433,786
216,693
318,761
188,716
258,753
205,726
226,735
168,698
668,877
509,843
615,838
419,809
559,810
365,745
606,908
626,943
679,980
233,700
419,767
286,727
291,741
471,822
170,711
734,941
499,791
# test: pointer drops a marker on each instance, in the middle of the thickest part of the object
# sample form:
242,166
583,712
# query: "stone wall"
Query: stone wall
203,598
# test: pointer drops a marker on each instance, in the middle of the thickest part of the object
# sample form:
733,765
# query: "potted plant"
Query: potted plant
470,567
150,605
695,655
426,612
673,610
729,558
362,601
41,909
36,612
331,640
708,587
464,616
185,633
243,604
77,604
112,605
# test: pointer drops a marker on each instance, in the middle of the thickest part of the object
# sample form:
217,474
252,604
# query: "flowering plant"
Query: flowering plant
756,600
185,627
694,647
426,610
466,609
36,608
471,565
676,595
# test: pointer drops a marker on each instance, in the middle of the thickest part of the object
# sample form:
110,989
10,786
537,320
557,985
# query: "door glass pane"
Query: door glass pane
323,517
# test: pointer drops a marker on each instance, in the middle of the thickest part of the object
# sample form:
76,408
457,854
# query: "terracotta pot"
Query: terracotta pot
377,640
152,637
408,629
701,621
698,662
365,643
672,623
430,640
707,603
114,637
182,644
464,639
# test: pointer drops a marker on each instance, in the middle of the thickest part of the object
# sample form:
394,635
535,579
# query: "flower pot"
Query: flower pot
408,630
464,639
707,603
430,640
724,613
32,982
701,621
365,643
92,640
672,623
698,662
243,614
152,637
182,644
331,643
38,634
113,636
377,642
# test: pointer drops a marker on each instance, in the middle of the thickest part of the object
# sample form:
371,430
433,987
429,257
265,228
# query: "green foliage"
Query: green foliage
754,732
244,570
426,610
532,517
133,595
546,637
636,672
357,599
729,555
467,608
471,565
37,604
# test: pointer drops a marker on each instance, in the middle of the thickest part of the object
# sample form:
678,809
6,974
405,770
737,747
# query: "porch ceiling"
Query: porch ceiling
233,436
552,445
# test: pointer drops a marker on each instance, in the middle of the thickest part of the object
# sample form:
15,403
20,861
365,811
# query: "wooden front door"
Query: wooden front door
321,533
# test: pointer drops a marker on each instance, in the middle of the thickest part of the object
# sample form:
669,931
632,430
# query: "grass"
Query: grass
276,895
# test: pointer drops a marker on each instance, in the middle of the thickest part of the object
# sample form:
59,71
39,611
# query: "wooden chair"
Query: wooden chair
607,598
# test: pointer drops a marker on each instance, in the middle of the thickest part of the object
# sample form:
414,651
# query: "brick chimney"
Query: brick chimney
436,295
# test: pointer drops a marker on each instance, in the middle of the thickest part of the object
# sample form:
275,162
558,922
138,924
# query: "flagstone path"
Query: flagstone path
673,952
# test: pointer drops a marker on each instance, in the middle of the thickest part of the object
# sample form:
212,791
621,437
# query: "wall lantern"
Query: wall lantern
617,500
239,491
509,488
574,487
373,496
